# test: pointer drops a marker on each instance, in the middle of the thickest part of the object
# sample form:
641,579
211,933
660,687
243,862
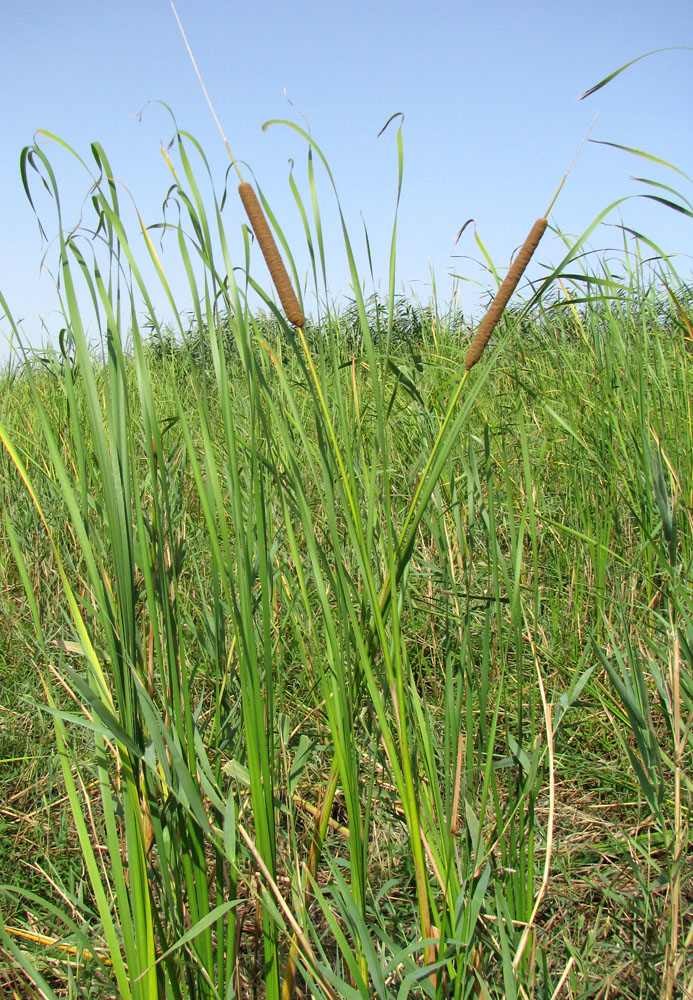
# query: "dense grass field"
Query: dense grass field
331,669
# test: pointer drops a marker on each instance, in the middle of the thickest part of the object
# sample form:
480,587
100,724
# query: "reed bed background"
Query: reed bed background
330,668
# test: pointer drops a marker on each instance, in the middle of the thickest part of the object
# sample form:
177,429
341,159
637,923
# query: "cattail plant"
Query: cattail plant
275,264
263,233
508,286
517,269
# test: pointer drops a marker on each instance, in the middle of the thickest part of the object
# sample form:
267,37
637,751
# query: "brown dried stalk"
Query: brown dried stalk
273,259
488,323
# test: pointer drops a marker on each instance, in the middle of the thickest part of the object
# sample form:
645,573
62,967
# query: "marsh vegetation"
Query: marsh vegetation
330,668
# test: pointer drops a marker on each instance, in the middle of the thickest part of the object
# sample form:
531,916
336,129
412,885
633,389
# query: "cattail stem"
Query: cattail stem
572,164
488,323
204,91
273,259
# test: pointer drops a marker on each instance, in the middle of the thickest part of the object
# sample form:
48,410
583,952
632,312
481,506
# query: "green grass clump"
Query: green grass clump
331,669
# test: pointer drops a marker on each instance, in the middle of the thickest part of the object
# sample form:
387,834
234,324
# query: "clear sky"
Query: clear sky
491,121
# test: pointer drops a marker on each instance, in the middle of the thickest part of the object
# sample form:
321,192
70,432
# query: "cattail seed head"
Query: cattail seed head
488,323
275,264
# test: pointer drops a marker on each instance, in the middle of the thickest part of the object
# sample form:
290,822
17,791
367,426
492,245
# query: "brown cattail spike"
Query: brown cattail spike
275,264
488,323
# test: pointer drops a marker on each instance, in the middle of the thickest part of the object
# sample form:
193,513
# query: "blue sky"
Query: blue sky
491,122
